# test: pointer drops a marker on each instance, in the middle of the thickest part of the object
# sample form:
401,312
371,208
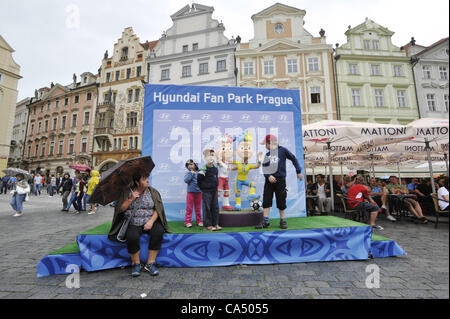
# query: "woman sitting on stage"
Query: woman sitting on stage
145,208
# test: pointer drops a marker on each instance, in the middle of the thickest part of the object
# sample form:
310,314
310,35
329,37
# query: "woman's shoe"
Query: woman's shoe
17,214
136,270
218,227
210,228
200,224
188,225
152,269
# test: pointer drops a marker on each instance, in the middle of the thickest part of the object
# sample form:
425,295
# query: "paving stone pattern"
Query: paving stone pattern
24,241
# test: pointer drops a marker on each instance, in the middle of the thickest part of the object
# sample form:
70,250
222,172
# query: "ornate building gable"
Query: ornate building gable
369,36
127,49
279,21
190,23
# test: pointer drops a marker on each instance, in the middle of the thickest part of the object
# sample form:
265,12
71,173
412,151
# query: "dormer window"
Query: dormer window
124,52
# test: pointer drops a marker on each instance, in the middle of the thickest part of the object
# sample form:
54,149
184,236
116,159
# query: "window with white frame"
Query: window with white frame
353,68
86,118
401,98
185,48
84,145
367,44
376,69
315,94
446,102
292,65
130,96
313,64
248,68
137,94
74,120
379,97
71,146
426,72
356,97
60,148
431,102
443,73
268,67
221,65
186,71
165,74
203,68
376,44
398,70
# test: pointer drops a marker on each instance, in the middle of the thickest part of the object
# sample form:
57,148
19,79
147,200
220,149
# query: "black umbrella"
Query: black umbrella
119,178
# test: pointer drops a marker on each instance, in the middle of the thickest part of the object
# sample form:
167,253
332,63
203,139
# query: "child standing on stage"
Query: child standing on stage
208,181
274,169
194,195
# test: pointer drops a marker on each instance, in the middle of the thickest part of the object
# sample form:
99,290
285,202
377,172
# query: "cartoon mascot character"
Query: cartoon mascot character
224,161
245,152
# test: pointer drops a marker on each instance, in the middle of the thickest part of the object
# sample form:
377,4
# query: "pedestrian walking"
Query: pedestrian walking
58,181
73,195
37,184
65,188
79,193
5,180
86,179
93,181
20,193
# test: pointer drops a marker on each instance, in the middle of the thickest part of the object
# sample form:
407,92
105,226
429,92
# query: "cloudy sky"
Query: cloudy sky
51,43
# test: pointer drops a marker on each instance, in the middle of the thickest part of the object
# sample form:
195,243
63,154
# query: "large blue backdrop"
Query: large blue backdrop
180,121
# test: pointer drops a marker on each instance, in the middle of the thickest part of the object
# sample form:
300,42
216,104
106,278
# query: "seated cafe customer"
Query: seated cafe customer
360,193
443,193
413,206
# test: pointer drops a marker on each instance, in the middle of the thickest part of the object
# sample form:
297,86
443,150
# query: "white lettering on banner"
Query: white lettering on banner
208,97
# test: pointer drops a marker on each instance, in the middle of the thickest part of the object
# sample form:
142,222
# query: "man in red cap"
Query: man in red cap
274,169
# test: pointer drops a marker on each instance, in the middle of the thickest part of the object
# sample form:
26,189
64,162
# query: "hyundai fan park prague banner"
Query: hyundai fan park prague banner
181,121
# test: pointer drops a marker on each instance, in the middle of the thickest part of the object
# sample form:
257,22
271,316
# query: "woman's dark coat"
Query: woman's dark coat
118,215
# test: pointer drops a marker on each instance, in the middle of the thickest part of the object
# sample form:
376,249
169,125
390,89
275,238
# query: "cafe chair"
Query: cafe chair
437,209
351,213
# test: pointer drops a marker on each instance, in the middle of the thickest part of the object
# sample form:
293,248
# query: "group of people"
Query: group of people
142,205
204,185
373,195
80,189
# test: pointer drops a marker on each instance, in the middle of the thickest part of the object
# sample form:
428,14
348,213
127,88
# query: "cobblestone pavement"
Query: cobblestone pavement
24,241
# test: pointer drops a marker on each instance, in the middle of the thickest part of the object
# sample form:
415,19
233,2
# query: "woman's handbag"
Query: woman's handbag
122,235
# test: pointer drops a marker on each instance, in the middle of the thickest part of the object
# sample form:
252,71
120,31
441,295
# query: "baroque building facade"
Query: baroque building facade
9,78
118,118
60,126
374,78
193,51
18,134
283,54
431,74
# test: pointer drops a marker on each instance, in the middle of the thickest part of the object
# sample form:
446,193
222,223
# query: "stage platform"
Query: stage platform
308,239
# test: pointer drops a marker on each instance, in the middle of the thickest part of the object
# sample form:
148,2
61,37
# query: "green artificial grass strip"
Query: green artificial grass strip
69,249
379,238
293,224
99,230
